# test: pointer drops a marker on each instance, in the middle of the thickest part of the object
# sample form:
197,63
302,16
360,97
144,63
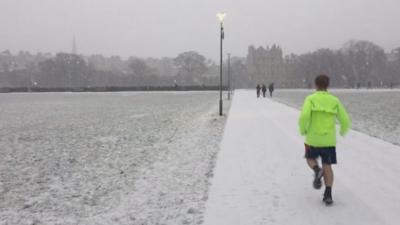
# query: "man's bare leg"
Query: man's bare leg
328,175
312,163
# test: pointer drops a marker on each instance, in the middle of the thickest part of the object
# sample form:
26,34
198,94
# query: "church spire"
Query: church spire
74,48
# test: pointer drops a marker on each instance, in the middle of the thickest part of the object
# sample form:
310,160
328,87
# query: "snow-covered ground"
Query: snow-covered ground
262,178
107,158
375,112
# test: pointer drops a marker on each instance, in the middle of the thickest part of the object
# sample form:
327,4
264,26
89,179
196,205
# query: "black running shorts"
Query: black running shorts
327,154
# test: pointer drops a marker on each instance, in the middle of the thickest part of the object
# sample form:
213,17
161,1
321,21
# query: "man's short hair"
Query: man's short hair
322,82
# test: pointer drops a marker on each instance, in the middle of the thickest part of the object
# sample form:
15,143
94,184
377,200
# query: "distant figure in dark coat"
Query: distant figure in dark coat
258,90
264,89
271,89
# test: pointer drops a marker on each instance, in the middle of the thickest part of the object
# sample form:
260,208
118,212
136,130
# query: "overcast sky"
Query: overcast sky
150,28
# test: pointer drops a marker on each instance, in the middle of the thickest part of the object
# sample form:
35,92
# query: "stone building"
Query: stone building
265,65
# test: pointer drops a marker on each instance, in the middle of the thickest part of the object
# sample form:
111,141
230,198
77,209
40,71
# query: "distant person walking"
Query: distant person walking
264,89
258,90
271,89
318,123
175,84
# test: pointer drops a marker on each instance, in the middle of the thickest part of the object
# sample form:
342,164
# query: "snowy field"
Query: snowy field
107,158
375,112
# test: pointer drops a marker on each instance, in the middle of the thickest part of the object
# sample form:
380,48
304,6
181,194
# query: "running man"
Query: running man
318,123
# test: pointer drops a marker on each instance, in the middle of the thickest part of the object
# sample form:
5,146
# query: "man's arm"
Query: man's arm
344,119
305,117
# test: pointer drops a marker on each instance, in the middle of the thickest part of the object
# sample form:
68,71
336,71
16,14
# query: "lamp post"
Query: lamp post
229,76
221,17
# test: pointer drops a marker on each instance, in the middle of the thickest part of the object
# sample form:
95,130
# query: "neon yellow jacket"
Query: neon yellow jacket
318,119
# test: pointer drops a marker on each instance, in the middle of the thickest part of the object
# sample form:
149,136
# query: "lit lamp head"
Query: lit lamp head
221,17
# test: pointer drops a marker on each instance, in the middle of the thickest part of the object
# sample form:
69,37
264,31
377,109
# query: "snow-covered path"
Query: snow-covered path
262,178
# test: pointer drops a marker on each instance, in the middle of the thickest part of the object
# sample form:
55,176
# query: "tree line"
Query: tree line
357,64
71,70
